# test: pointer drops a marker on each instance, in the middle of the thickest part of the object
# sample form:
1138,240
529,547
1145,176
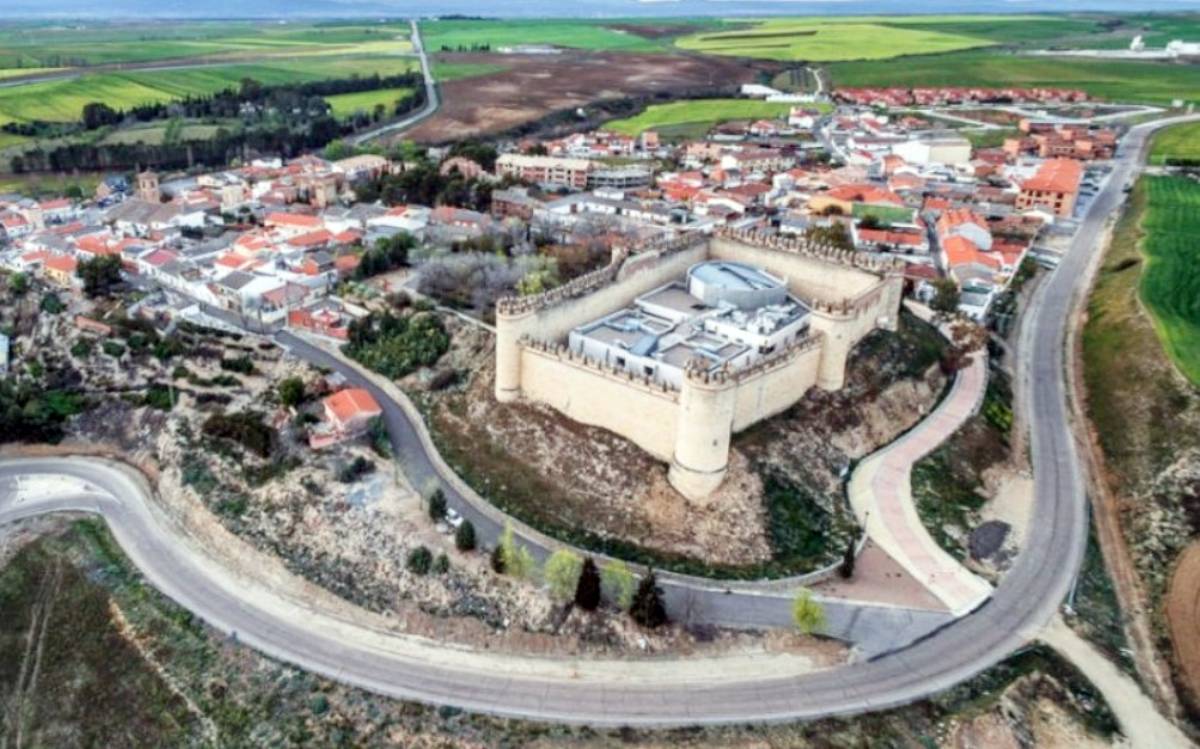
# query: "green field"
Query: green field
345,105
157,134
1170,284
1177,142
83,44
1112,80
7,139
827,41
63,100
700,112
562,33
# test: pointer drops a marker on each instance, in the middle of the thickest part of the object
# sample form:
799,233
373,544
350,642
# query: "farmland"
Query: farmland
700,112
25,46
63,100
464,35
345,105
1178,142
1170,284
1113,80
821,41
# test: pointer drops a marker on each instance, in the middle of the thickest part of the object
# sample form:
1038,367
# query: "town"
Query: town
280,243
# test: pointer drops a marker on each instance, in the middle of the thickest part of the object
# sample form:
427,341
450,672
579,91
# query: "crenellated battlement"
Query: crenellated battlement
589,282
564,354
816,250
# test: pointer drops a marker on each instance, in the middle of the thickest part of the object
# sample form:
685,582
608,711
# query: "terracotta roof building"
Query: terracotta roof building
1054,186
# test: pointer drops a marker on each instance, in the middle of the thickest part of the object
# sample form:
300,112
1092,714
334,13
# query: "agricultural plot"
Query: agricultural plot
25,46
1170,284
1177,142
465,35
346,105
63,100
1111,80
172,132
828,41
700,112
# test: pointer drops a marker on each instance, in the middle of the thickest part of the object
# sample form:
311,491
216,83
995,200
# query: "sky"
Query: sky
14,9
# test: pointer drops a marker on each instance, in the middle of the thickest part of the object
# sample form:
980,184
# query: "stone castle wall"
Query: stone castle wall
598,395
691,428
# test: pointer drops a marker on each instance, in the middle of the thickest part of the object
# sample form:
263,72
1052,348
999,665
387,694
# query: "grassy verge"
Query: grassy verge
1098,614
1135,399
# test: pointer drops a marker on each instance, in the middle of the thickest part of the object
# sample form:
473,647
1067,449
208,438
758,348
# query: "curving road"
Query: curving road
665,692
432,101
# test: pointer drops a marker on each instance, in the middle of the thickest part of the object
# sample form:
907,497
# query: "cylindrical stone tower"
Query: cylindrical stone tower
706,406
509,329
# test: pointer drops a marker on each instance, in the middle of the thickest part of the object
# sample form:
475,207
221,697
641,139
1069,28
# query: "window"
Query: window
620,361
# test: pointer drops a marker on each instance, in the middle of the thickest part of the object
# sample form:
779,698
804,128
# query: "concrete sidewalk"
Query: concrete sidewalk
881,494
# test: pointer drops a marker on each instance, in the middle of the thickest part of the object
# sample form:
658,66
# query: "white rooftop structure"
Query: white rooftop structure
725,314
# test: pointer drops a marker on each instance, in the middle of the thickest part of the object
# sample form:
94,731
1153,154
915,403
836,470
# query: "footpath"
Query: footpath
881,495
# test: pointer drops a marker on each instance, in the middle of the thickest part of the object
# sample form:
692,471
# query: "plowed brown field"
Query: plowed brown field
534,86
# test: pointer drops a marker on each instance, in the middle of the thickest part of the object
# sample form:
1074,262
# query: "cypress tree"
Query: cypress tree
587,590
647,609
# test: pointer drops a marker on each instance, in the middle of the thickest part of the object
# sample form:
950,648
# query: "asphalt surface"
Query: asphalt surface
432,101
1023,603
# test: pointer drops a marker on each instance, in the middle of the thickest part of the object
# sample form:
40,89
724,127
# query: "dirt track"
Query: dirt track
1183,616
534,86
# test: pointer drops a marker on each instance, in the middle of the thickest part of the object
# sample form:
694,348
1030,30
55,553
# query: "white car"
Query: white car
453,519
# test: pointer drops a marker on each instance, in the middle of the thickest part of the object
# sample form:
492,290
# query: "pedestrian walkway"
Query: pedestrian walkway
1140,721
881,496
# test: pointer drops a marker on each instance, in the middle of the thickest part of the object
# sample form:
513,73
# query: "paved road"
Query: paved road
1024,602
432,101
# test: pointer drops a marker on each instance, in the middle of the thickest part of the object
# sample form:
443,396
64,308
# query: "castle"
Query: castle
679,347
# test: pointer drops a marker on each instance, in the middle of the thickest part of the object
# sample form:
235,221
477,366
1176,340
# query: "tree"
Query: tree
291,391
616,581
75,192
517,560
647,608
846,568
100,274
464,537
97,114
498,560
945,295
808,615
562,574
51,304
420,560
18,284
437,506
870,221
587,590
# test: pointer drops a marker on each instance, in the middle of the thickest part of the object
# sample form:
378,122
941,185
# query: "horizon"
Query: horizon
273,10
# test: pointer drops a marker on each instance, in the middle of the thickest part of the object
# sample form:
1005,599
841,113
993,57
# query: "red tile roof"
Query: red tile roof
1056,175
347,405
